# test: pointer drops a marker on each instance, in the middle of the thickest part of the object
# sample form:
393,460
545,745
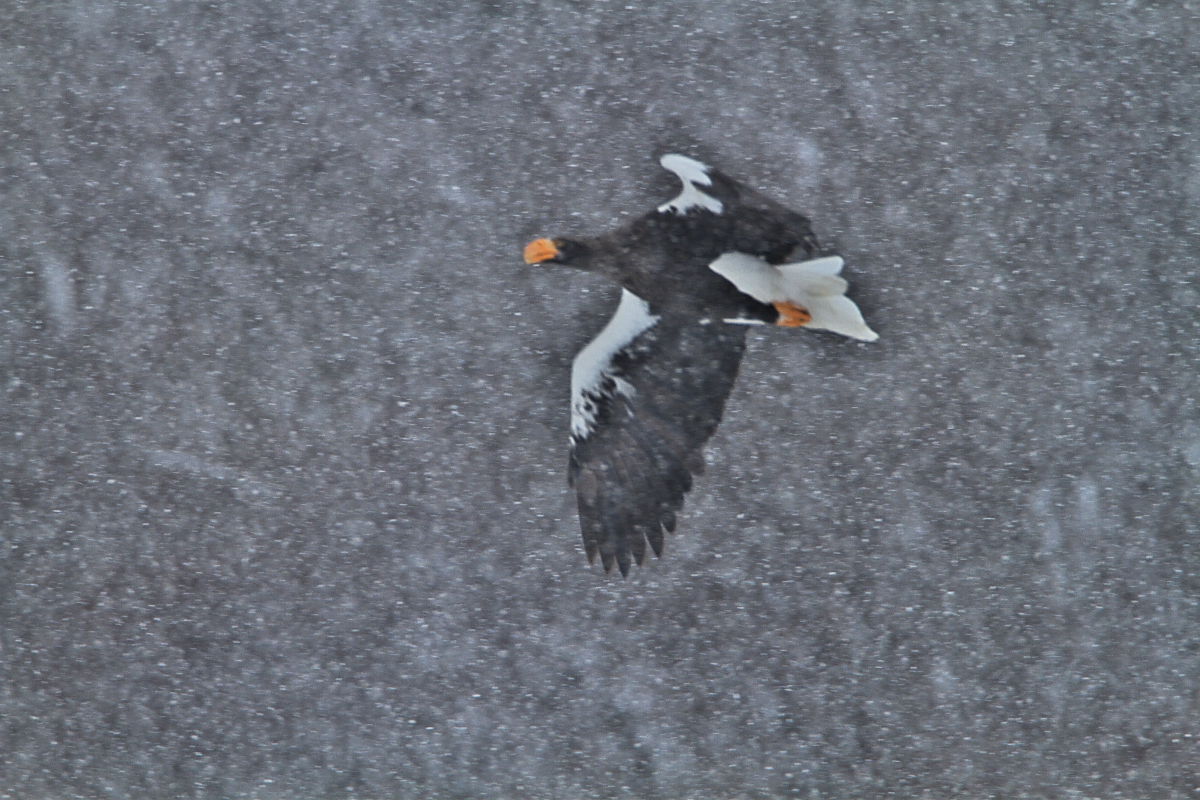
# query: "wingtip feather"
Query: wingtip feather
637,544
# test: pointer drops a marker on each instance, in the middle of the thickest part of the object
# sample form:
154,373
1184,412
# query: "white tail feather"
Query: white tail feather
826,265
814,285
838,314
800,285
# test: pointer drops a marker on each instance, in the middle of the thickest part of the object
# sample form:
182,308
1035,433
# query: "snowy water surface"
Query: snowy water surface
283,509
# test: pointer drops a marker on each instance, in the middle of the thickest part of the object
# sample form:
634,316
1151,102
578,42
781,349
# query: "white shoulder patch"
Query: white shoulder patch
594,364
693,174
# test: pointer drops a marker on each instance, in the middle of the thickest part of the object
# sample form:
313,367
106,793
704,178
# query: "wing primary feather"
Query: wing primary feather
655,537
637,483
637,544
590,526
607,540
618,525
673,477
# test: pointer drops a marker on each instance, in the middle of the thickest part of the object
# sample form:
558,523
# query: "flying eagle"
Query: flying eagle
649,390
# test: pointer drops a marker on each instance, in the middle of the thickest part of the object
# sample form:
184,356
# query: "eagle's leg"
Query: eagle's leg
791,315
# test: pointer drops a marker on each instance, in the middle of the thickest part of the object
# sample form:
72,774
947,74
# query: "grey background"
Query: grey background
283,424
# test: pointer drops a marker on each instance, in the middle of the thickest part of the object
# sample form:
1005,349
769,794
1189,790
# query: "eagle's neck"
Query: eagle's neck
598,256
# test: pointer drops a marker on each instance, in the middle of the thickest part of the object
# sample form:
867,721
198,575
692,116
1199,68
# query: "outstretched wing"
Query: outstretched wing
647,393
744,219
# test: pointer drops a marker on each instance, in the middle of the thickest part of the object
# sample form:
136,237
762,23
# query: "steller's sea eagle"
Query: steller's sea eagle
649,390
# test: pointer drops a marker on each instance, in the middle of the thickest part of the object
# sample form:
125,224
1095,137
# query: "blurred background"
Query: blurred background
283,507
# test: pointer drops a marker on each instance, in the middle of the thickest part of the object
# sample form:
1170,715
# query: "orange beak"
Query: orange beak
540,250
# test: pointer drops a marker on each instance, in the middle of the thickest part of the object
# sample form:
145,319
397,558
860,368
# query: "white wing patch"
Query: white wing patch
594,363
693,174
814,285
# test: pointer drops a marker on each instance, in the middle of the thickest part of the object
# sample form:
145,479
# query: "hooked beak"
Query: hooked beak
540,250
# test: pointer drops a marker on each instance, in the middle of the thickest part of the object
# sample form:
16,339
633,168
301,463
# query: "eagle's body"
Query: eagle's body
649,390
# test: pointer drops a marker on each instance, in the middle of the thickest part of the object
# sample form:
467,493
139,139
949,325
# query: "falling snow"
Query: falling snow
283,508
